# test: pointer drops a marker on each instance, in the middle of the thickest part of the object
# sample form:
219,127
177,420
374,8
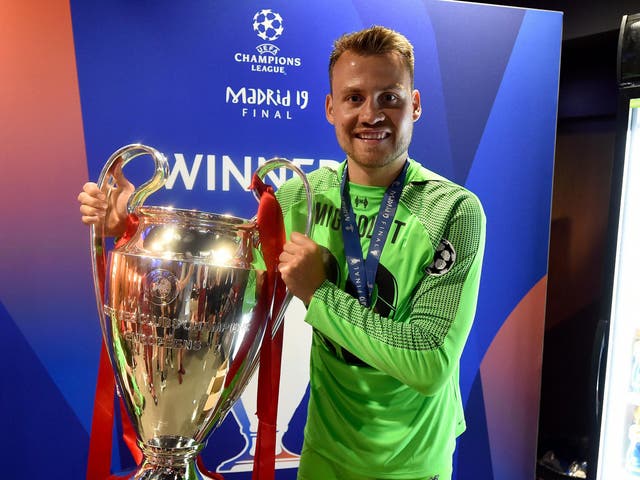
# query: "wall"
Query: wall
583,161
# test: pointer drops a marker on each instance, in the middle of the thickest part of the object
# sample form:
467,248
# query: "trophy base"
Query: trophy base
157,472
170,458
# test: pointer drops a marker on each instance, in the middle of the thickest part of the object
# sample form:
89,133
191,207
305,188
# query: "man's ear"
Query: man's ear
417,106
328,108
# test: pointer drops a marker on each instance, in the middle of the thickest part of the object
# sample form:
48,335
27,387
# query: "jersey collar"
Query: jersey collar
416,173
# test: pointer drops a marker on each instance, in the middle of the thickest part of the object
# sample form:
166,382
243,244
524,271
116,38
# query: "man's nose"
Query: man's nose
371,112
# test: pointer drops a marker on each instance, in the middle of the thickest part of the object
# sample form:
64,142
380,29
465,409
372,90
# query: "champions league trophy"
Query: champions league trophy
184,305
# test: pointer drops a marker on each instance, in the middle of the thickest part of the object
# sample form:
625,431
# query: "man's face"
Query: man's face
372,107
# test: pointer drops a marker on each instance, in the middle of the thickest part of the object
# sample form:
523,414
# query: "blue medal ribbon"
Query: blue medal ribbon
363,272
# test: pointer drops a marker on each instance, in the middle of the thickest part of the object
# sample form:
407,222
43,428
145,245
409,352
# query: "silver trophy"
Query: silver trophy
184,305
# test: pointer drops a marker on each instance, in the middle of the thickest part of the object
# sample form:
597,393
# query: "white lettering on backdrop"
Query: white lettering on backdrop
222,172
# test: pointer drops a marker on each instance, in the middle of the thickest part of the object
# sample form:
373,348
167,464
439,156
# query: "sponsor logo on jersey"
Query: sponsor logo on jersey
327,215
361,202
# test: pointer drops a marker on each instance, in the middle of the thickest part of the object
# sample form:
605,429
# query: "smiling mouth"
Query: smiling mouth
372,135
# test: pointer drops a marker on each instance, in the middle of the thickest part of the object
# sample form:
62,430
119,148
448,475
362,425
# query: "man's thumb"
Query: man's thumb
120,179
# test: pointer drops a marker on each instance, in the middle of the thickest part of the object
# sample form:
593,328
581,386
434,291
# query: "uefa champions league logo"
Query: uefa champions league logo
268,24
161,286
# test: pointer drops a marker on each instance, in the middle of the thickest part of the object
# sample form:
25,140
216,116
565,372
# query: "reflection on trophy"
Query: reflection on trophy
184,306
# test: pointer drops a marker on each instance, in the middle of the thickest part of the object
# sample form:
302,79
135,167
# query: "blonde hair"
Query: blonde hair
376,40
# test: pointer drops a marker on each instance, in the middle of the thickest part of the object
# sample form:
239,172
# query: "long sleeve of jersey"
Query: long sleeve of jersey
423,349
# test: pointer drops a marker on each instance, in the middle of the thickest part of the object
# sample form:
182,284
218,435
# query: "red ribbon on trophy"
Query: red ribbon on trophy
272,238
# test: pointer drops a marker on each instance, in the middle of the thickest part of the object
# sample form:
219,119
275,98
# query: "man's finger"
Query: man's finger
290,248
286,256
92,190
90,211
299,238
86,199
119,177
90,220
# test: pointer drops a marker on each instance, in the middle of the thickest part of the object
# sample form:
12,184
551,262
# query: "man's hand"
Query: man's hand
94,204
301,266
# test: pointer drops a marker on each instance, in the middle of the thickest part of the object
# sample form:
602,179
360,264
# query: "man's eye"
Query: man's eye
389,97
355,98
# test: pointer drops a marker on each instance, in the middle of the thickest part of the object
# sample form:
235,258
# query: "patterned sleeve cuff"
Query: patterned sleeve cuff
321,298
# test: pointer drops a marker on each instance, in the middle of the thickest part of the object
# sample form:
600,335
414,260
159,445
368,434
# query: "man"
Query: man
390,278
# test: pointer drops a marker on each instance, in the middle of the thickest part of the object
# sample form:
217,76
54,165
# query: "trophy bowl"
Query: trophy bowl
184,302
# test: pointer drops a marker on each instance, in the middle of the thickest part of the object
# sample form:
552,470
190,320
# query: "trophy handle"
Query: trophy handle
121,157
267,167
124,155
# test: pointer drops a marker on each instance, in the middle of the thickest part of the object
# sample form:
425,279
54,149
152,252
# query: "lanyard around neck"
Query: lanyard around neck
363,272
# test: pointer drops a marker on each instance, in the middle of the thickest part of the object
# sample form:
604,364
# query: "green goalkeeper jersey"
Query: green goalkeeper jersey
385,399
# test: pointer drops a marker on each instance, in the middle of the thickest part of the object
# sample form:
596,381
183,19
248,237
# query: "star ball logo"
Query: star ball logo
268,24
